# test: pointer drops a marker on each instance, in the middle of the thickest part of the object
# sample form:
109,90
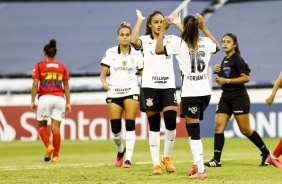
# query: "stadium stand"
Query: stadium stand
85,29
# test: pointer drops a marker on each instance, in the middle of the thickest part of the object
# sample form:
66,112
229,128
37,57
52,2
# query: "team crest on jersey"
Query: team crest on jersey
124,63
167,42
149,102
193,109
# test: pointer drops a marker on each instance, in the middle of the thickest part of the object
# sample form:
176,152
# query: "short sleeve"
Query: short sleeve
106,59
243,67
35,71
66,74
172,46
140,61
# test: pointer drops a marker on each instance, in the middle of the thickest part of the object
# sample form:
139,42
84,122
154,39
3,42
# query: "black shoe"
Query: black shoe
264,159
120,155
213,163
127,164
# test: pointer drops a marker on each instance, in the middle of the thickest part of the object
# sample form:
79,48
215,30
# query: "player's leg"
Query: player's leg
116,110
42,115
131,107
222,116
274,158
152,107
57,116
169,102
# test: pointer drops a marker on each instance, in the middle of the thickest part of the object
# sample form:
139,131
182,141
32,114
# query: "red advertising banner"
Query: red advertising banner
85,122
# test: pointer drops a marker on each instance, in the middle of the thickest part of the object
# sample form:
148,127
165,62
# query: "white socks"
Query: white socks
154,141
130,142
118,141
197,151
169,141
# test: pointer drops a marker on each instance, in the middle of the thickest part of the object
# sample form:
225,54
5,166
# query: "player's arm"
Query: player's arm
67,95
34,89
135,33
103,77
275,88
159,46
205,30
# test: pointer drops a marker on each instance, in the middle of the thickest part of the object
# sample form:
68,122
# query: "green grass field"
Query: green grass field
93,162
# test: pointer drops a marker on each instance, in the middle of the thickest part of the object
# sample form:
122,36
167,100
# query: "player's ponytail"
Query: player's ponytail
124,25
50,49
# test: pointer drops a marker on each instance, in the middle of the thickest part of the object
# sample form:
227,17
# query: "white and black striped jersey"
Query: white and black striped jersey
158,69
123,69
194,69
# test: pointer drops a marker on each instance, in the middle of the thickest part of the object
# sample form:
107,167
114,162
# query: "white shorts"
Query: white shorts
51,106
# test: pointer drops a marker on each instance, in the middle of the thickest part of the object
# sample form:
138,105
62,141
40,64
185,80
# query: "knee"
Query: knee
246,131
170,119
116,125
218,127
155,122
129,125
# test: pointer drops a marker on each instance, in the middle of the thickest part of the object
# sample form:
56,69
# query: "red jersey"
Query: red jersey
51,74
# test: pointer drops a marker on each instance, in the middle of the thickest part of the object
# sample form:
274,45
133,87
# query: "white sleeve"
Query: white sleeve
211,45
140,61
172,46
106,59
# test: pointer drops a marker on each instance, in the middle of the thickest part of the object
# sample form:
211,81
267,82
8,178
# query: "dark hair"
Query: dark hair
190,32
234,38
148,29
124,25
50,49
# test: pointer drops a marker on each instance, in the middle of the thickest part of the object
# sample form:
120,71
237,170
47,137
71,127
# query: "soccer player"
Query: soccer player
274,157
233,73
158,89
53,98
123,62
193,54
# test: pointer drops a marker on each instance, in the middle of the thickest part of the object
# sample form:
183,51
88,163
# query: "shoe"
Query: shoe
49,152
264,159
157,170
166,161
127,164
55,159
274,161
119,159
213,163
193,170
198,175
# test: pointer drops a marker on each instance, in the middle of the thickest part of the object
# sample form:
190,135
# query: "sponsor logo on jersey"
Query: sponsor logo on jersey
225,61
193,109
122,90
159,79
149,102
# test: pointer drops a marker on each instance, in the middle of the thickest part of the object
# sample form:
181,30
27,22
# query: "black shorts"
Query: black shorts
119,100
157,99
194,107
237,102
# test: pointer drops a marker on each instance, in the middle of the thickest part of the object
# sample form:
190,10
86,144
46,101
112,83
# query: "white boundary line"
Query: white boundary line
56,165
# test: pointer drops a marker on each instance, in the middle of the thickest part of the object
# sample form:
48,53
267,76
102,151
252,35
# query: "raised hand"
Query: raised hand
175,18
139,15
200,21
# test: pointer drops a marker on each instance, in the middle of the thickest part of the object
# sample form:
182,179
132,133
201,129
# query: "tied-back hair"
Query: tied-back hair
148,29
50,49
234,38
124,25
191,32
